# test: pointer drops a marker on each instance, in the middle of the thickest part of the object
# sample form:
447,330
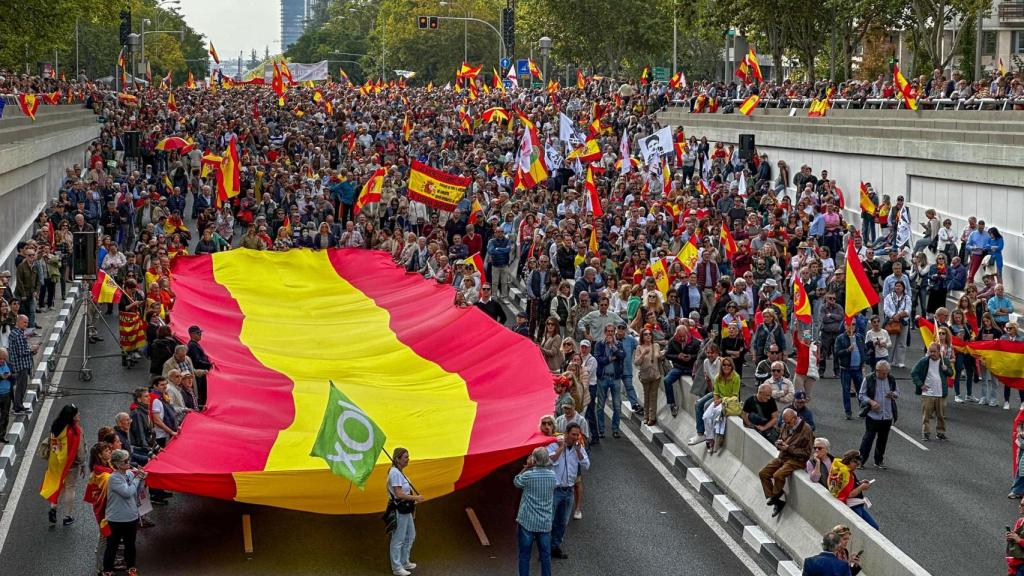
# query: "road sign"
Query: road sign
523,67
660,74
505,63
508,84
537,84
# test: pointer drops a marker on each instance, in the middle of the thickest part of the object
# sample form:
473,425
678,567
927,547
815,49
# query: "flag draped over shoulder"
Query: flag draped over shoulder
859,293
436,188
62,456
96,494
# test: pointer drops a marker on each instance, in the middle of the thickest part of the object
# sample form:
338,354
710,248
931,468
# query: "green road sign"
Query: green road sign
660,74
537,84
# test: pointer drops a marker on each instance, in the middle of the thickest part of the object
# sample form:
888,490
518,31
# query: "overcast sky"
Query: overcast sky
235,25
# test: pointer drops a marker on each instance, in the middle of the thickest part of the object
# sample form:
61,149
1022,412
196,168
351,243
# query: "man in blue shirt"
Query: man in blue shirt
629,344
499,252
569,458
999,306
977,247
827,563
536,508
849,352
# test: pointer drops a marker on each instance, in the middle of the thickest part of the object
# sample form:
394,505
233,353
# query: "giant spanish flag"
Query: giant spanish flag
461,392
1003,358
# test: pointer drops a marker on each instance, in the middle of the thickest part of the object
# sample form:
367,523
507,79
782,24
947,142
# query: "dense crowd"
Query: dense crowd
595,304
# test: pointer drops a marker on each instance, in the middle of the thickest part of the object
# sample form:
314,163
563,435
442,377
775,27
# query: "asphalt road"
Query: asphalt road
633,521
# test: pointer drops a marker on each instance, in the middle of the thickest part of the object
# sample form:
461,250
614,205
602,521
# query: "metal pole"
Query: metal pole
76,48
675,44
725,62
143,43
55,66
382,74
977,46
465,38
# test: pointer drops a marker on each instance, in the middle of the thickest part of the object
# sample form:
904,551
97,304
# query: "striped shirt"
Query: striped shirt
536,507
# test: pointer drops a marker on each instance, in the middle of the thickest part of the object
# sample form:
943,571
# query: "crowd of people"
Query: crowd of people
587,259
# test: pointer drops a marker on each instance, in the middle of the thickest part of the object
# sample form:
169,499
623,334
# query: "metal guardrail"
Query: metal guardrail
1001,104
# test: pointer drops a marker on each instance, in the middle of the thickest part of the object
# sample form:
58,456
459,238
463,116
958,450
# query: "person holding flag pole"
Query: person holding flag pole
350,443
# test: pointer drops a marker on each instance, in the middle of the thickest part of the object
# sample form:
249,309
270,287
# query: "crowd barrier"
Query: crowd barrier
882,103
811,510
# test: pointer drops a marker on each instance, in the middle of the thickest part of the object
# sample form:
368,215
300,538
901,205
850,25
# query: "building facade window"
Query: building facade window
1017,42
988,42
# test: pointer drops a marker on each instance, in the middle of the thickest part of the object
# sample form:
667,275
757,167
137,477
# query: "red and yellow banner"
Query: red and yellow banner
460,392
1003,358
436,188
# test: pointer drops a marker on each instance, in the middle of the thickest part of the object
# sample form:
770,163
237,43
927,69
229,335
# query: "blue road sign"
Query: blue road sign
523,67
507,83
505,63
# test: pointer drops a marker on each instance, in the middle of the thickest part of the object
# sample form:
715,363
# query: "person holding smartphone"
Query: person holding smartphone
122,511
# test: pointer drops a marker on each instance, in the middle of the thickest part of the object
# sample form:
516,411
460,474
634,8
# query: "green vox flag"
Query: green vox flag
349,441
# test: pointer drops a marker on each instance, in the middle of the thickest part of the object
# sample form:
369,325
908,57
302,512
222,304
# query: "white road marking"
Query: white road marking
908,438
37,434
693,501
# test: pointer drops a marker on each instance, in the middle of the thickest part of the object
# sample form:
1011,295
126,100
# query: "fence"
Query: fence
885,103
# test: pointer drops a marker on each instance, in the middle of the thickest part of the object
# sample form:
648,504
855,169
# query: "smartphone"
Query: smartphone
860,552
872,481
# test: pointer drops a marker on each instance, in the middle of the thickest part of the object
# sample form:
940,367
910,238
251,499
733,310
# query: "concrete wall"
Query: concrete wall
958,179
810,511
32,163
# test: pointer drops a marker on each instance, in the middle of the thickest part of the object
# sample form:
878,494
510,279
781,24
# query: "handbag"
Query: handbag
893,327
43,449
390,517
731,406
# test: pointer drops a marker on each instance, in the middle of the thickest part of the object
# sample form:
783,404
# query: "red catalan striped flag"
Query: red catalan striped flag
1004,359
459,391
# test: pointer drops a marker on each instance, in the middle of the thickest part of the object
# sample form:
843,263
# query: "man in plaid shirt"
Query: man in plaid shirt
21,354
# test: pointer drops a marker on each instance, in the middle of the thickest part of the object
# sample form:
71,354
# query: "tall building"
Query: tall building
293,21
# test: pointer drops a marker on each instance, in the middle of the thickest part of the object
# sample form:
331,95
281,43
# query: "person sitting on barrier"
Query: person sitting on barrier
843,549
826,563
710,368
725,397
844,485
820,462
795,444
760,412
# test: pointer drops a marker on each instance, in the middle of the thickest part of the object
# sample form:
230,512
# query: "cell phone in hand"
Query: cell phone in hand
872,481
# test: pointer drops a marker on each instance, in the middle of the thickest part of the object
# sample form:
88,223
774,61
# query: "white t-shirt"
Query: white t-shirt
157,408
933,380
397,479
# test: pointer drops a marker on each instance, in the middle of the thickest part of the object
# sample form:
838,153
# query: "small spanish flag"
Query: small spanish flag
171,105
750,104
406,128
904,87
371,191
28,103
859,293
659,272
581,82
689,254
866,205
475,211
105,290
728,242
801,304
477,261
593,246
593,200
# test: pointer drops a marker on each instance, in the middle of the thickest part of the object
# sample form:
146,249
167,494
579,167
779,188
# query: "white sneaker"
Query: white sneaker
694,440
971,399
401,572
958,399
578,515
410,566
993,403
1006,405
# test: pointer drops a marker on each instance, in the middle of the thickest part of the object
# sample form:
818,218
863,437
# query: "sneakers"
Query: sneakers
615,434
694,440
779,505
958,399
674,409
557,553
410,566
970,398
941,436
926,437
993,404
578,515
1006,405
52,515
401,572
68,521
982,401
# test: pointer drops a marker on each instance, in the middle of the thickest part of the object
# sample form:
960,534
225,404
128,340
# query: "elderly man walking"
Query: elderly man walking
536,510
931,382
795,444
21,354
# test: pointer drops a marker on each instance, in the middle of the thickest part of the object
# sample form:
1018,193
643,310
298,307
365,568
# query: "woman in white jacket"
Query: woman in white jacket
897,307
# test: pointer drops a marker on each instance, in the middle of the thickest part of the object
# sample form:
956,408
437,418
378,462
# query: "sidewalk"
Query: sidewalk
51,339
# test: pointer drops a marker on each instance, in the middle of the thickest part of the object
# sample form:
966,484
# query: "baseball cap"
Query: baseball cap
585,343
800,395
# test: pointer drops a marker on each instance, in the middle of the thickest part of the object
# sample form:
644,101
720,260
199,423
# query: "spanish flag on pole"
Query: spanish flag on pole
593,200
105,290
213,54
63,450
727,241
581,82
534,70
689,254
475,211
801,304
658,271
229,175
904,87
593,246
753,65
171,104
866,205
406,128
191,82
750,104
371,191
28,103
859,293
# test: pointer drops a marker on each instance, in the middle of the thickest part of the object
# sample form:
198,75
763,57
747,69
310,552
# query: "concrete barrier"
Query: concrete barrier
810,511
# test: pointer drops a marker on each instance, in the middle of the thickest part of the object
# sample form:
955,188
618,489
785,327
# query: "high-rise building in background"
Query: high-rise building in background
293,21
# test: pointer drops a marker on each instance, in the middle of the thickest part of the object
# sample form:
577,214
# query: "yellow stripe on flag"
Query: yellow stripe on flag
414,401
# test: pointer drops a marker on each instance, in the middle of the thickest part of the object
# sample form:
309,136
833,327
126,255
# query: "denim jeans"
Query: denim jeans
401,541
28,308
670,381
702,405
988,386
627,385
1018,486
846,376
591,415
868,228
526,540
564,500
605,385
862,511
965,364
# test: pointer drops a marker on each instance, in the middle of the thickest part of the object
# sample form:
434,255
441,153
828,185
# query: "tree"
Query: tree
926,21
254,59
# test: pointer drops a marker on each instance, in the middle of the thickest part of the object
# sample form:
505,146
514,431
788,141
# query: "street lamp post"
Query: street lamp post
545,49
465,31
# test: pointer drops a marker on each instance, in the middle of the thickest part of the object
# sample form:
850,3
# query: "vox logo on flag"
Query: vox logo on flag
349,441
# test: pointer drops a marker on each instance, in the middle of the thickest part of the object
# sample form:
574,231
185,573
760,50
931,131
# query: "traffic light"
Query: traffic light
126,26
433,22
421,22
